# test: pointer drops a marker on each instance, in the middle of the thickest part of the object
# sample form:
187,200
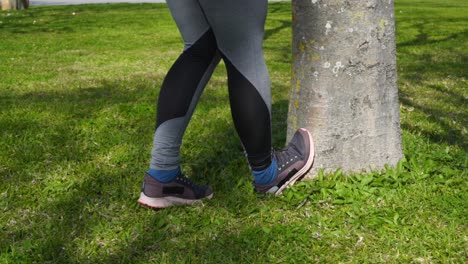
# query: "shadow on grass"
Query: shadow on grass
283,24
250,244
86,125
423,38
429,58
427,62
72,19
59,185
450,135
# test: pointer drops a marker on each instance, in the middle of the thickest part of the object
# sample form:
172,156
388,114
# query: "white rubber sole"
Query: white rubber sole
159,203
304,169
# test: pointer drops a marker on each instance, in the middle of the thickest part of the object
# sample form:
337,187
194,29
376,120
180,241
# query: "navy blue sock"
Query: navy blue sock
164,176
267,175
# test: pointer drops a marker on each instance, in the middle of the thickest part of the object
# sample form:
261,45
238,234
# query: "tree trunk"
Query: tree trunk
344,83
15,4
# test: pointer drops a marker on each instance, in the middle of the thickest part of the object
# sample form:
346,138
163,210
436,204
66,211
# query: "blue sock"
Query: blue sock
164,176
267,175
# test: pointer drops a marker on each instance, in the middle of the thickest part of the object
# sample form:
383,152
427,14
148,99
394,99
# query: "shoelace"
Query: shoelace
286,156
185,181
197,189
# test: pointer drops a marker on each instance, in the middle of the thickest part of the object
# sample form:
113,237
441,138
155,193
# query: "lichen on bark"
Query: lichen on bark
344,82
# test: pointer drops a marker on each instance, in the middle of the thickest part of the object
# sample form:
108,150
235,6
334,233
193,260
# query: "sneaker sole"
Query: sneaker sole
159,203
304,169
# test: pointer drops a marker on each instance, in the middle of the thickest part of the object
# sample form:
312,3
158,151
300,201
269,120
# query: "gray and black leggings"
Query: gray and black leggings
213,29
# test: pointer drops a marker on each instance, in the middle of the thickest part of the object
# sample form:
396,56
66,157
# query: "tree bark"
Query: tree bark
345,83
15,4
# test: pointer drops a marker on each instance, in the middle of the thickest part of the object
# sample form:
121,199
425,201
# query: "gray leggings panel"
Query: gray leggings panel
239,29
189,18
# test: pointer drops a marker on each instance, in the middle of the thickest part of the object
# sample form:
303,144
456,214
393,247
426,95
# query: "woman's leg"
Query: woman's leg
164,185
238,26
239,29
183,84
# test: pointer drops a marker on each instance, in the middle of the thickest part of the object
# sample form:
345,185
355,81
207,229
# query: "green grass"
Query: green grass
77,110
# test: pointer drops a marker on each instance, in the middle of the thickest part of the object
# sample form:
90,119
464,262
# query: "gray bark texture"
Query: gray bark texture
344,83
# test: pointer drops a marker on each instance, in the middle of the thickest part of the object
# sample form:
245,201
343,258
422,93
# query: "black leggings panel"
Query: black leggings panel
183,78
251,118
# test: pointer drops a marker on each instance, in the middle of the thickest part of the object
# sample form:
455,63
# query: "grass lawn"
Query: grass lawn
78,87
